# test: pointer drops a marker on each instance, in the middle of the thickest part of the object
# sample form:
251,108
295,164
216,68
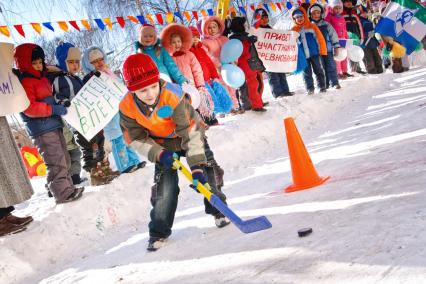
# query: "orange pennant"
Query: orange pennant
36,27
86,24
133,19
107,22
170,18
150,18
274,8
63,26
187,15
204,13
5,31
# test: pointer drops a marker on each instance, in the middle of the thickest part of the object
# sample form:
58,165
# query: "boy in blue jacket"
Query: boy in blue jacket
316,15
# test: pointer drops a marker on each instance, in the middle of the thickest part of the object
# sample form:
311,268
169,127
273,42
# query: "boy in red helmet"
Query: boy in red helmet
159,121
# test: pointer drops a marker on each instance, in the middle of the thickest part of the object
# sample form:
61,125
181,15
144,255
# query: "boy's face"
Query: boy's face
37,64
213,28
337,10
148,38
99,64
316,15
73,66
176,42
299,19
149,94
195,40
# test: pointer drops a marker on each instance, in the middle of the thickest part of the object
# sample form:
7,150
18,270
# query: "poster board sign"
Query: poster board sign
277,49
95,105
13,98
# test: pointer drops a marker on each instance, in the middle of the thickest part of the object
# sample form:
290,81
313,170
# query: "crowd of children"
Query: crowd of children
155,76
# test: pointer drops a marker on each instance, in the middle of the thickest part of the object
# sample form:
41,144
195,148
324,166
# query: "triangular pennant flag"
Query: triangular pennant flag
133,19
121,21
266,7
252,7
195,14
210,11
187,16
49,26
274,8
141,19
74,25
150,18
169,18
243,11
177,14
159,19
107,22
279,6
5,31
36,27
288,5
63,25
20,30
86,24
204,13
100,24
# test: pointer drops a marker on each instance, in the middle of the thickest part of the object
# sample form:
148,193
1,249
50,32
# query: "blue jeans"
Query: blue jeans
165,192
315,64
330,70
278,83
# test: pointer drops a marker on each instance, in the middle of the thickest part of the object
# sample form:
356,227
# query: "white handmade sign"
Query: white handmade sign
277,49
95,105
13,98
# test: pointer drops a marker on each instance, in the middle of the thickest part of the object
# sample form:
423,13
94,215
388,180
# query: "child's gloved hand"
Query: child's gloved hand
252,39
166,158
197,176
59,110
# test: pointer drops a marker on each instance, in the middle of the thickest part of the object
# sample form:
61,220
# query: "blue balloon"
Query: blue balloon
233,75
165,111
231,51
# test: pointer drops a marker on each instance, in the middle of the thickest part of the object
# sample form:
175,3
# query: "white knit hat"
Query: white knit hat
335,3
95,54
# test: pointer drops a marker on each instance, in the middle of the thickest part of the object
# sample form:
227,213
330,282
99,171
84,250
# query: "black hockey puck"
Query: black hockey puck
304,232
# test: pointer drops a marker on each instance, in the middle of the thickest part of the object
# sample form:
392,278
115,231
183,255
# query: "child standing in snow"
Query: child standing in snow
335,18
149,44
221,99
316,15
159,138
212,29
43,122
314,46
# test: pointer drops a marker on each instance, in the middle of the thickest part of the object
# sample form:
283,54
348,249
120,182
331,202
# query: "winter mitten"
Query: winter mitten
59,110
166,158
198,176
252,39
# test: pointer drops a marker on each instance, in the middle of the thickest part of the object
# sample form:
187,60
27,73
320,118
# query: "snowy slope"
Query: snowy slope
368,220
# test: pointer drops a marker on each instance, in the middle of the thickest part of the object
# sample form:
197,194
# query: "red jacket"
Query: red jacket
209,69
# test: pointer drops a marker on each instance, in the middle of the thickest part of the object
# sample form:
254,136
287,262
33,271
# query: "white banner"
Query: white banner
13,98
277,49
95,105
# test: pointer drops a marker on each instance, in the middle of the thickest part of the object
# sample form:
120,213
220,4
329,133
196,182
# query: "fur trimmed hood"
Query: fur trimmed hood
184,32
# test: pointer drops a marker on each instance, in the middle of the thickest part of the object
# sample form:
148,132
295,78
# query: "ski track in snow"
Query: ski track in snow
368,220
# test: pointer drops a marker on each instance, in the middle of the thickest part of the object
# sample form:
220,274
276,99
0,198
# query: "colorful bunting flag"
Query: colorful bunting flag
266,7
288,5
210,11
121,21
36,27
187,16
100,24
243,11
49,26
204,13
177,14
133,19
108,22
274,8
252,7
159,19
195,14
150,18
63,25
86,24
141,19
169,18
5,31
20,30
279,6
74,25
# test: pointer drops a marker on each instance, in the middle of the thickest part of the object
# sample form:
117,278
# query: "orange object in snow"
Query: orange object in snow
302,169
33,162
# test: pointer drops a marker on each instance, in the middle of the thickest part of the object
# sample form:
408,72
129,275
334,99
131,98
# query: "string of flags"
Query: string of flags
161,19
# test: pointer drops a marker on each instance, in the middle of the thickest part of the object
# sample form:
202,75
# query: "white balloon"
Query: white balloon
355,53
341,55
193,92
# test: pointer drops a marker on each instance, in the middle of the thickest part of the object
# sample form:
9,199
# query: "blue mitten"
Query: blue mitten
166,158
59,110
198,176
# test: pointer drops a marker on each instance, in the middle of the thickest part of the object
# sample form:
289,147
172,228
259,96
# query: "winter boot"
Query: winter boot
19,220
98,177
7,228
221,221
154,243
77,193
108,171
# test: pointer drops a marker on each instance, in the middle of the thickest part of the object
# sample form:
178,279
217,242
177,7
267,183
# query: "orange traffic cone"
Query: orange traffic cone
303,171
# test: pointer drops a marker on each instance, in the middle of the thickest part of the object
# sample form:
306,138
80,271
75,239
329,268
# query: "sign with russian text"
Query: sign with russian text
95,105
13,98
277,49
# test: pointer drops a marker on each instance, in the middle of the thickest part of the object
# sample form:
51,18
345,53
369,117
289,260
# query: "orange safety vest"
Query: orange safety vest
157,127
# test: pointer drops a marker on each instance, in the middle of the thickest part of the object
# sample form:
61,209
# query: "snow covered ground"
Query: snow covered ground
368,220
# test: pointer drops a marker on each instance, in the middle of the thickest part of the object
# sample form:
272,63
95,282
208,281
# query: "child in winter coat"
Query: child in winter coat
221,99
149,44
254,79
212,29
316,15
372,59
177,40
277,81
65,86
314,46
43,122
335,18
126,159
161,138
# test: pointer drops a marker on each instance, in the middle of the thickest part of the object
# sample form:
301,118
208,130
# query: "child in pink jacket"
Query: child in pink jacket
336,19
213,40
177,40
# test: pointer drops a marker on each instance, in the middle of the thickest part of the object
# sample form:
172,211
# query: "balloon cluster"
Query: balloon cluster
232,74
